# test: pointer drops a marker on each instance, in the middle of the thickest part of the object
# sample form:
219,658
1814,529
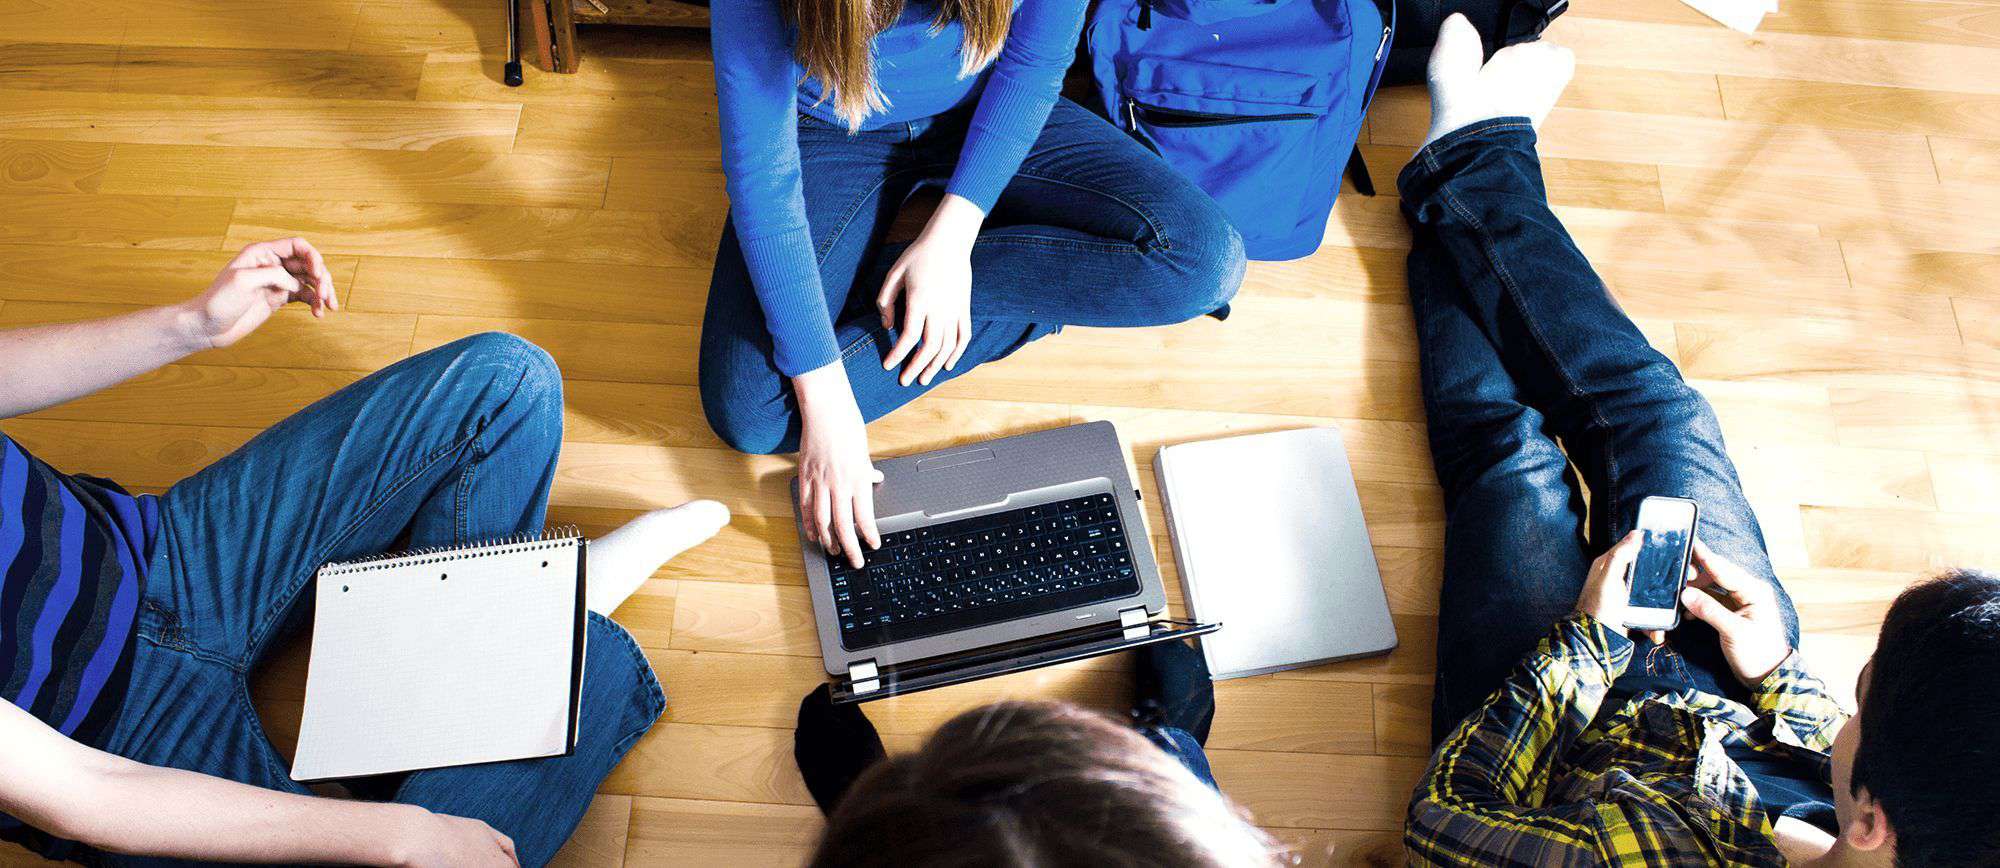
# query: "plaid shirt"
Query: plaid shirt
1529,780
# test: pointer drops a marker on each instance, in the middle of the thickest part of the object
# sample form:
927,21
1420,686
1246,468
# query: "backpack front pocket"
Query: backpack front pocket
1250,137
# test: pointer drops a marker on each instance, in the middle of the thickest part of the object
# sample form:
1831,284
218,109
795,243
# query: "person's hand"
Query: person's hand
1744,611
836,476
262,278
933,281
1607,590
441,840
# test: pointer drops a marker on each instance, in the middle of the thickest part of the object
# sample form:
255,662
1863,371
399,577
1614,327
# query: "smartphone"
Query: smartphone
1659,573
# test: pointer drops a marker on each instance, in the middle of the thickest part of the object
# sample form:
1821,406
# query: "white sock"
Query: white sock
624,559
1520,80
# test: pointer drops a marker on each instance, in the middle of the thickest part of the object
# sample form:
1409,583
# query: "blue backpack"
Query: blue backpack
1257,101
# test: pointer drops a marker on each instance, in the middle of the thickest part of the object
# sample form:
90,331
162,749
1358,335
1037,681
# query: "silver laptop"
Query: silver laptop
996,557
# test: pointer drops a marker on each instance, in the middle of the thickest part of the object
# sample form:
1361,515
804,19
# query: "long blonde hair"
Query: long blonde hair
836,44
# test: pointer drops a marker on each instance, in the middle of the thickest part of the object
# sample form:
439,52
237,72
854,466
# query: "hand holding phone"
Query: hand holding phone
1660,569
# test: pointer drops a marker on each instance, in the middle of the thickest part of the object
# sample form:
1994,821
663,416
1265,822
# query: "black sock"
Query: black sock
833,745
1174,688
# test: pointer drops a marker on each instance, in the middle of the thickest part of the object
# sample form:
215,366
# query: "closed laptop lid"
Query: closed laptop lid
1271,542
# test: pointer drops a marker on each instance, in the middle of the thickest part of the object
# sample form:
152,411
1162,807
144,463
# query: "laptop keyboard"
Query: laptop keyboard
985,570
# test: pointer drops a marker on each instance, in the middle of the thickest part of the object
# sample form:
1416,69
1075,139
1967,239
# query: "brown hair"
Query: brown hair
1033,783
836,44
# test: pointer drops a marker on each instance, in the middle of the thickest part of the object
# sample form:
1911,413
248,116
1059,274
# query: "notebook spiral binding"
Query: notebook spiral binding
548,538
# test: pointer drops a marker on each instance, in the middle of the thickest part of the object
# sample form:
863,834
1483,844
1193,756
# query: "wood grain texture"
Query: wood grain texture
1804,219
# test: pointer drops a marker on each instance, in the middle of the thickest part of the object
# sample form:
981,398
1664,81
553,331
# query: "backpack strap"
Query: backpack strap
1357,168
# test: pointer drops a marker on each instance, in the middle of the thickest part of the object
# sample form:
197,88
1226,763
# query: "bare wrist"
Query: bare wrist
183,329
395,840
957,220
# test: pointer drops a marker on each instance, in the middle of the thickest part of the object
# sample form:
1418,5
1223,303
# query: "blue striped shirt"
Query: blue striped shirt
72,560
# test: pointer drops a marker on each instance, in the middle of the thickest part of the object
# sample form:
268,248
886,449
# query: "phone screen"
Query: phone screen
1668,528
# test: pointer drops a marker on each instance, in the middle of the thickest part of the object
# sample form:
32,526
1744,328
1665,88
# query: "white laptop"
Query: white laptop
1269,536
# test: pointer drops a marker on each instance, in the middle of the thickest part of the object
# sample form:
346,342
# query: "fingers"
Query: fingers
964,340
1618,561
822,516
270,277
302,260
843,528
864,512
948,336
885,301
912,332
928,357
1657,637
1710,610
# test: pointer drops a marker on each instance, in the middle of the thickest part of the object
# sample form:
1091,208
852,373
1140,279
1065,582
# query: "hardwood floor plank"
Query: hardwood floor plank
1271,715
1967,160
532,290
1860,107
52,66
1885,266
1966,481
486,231
1912,214
644,183
618,130
1957,22
624,352
253,121
76,23
167,222
434,176
52,167
1709,143
602,838
688,832
266,72
251,398
744,618
460,26
1937,419
1318,790
1849,59
1899,540
152,456
1584,183
310,25
626,81
1978,321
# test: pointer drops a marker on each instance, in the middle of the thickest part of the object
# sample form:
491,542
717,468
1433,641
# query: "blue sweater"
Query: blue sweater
759,89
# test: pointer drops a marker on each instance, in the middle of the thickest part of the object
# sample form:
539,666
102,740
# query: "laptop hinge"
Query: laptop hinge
1135,621
863,677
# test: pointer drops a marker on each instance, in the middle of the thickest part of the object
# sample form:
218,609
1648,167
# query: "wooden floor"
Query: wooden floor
1808,220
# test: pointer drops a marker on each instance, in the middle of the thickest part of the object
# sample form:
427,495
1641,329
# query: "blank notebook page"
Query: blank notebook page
442,659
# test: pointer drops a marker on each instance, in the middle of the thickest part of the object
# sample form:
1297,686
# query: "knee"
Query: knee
743,422
506,358
1203,257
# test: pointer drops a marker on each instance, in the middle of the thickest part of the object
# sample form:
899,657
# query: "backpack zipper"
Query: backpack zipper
1166,117
1387,31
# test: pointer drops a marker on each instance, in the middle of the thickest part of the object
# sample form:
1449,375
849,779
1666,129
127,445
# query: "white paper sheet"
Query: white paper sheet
441,660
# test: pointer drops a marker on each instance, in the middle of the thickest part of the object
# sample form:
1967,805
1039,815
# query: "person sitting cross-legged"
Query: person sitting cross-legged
1561,737
129,625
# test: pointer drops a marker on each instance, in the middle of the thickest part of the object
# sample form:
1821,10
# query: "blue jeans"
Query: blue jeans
453,446
1094,230
1535,383
1181,745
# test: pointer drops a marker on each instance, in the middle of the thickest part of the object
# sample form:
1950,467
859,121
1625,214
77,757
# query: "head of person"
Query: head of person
835,44
1916,773
1034,783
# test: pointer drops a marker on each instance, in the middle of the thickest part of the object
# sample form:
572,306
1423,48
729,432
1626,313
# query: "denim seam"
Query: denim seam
649,679
1514,294
854,207
1160,239
270,623
855,345
1055,243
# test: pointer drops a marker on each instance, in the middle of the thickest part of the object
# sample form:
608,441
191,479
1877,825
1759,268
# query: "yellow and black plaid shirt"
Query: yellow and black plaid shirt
1530,780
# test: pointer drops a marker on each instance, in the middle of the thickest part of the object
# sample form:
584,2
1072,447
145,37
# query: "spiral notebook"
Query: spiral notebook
445,658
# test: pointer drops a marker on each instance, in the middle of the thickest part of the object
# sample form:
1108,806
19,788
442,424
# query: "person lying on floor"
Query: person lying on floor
1560,738
129,625
1025,784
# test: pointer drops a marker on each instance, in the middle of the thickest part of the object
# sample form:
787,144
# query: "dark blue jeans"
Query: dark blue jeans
1538,387
1094,230
452,446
